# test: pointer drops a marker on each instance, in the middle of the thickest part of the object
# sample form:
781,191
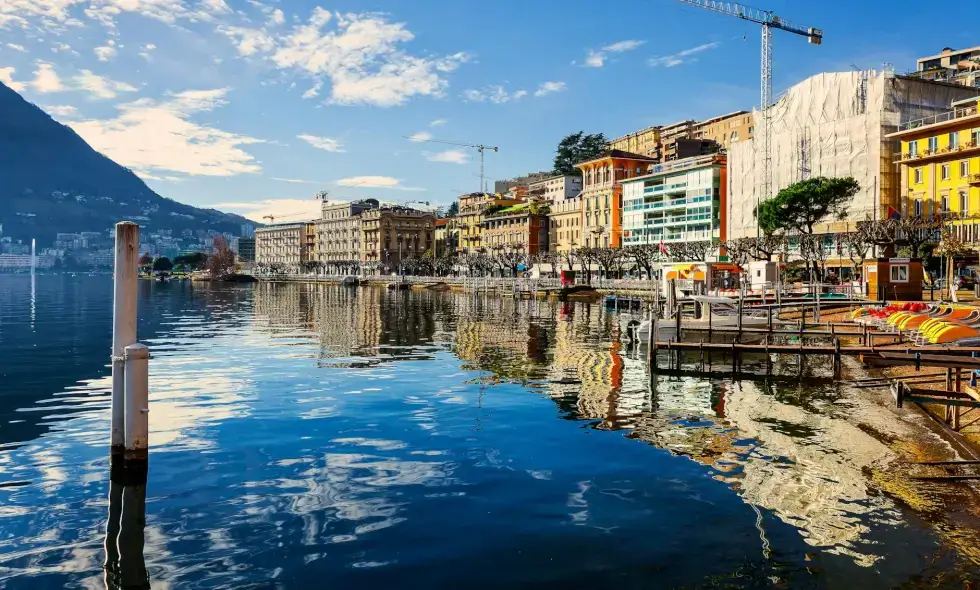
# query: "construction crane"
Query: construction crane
272,218
769,21
478,147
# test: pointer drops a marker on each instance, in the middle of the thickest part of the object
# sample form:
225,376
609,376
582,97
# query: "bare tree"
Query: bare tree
916,231
644,256
221,262
690,251
813,252
586,257
608,259
739,250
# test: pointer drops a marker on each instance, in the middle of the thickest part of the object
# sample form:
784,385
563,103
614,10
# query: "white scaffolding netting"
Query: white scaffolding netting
834,125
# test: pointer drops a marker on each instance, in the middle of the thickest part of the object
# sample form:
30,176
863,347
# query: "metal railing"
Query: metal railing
939,118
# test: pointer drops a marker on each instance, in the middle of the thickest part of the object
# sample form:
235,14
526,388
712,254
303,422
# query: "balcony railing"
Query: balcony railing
974,179
927,154
940,118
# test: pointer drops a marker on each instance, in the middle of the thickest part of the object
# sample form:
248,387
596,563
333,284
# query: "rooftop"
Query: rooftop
679,165
620,154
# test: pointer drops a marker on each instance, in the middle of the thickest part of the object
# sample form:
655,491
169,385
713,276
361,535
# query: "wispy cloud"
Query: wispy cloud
383,182
549,87
105,53
449,157
676,59
100,86
295,209
597,59
438,123
420,136
322,143
295,180
7,77
17,47
61,110
155,137
496,94
46,79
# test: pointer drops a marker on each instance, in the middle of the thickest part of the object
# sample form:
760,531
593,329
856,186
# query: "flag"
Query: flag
893,213
663,249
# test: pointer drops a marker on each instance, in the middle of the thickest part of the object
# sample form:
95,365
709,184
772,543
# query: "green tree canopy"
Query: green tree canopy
802,205
163,264
453,209
194,261
575,148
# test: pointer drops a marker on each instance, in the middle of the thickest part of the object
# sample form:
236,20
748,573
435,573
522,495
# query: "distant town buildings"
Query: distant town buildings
283,244
555,188
956,66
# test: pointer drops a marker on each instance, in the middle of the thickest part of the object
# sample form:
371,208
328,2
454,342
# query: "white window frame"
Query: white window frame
954,140
933,144
898,273
964,168
913,148
918,176
944,172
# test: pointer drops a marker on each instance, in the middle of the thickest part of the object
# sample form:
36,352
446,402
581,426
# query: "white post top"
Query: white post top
137,351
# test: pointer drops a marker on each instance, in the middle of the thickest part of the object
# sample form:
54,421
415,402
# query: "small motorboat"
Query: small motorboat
350,281
716,312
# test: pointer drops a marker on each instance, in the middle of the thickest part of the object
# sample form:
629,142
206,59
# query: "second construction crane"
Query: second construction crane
769,21
478,146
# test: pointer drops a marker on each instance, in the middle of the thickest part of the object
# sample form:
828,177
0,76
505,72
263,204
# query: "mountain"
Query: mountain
52,181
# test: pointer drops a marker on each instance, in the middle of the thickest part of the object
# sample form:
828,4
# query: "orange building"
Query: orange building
521,227
602,195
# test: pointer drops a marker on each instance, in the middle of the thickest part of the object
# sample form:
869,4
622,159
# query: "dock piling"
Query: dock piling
137,399
125,290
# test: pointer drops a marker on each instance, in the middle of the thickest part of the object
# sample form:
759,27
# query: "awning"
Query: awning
727,267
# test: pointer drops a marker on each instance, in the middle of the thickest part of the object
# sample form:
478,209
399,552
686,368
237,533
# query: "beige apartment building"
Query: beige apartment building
645,142
390,235
468,221
565,226
556,188
338,232
726,129
288,245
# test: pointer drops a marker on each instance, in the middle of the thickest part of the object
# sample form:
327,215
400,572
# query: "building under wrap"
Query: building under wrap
834,125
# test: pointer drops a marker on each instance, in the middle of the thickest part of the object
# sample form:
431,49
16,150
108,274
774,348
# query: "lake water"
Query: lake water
307,436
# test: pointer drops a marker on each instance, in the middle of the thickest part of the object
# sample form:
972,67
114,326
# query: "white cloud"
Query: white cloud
277,17
154,137
62,47
438,123
7,77
46,79
61,110
549,87
669,61
149,47
322,143
314,90
360,56
597,59
495,94
294,209
420,136
296,180
16,47
216,6
450,157
249,41
105,53
99,86
385,182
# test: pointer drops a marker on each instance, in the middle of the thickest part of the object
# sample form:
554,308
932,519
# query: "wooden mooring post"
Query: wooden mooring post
129,424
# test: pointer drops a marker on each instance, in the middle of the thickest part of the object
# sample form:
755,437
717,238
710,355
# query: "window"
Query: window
918,176
899,273
944,172
751,129
954,140
964,203
734,135
913,149
933,144
975,137
917,207
944,204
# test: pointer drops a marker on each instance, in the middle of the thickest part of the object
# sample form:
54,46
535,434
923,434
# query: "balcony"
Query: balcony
974,180
968,147
953,115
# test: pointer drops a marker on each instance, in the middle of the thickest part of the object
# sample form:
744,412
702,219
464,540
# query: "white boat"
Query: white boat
716,312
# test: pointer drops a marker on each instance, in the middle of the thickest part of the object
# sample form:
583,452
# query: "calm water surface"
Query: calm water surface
308,436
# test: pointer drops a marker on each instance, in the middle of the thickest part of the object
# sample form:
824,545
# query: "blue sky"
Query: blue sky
252,106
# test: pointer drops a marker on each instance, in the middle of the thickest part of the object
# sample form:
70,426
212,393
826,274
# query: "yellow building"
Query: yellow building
602,192
726,129
390,235
645,142
565,226
469,220
940,166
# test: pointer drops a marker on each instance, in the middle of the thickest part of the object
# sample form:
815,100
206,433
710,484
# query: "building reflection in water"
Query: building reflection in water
125,568
762,445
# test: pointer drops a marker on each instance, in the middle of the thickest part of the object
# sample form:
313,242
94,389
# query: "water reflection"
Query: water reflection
125,568
303,433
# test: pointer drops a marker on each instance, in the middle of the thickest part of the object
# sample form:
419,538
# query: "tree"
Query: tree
690,251
194,261
644,256
453,209
163,264
950,246
575,148
146,261
608,259
915,232
221,263
802,205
